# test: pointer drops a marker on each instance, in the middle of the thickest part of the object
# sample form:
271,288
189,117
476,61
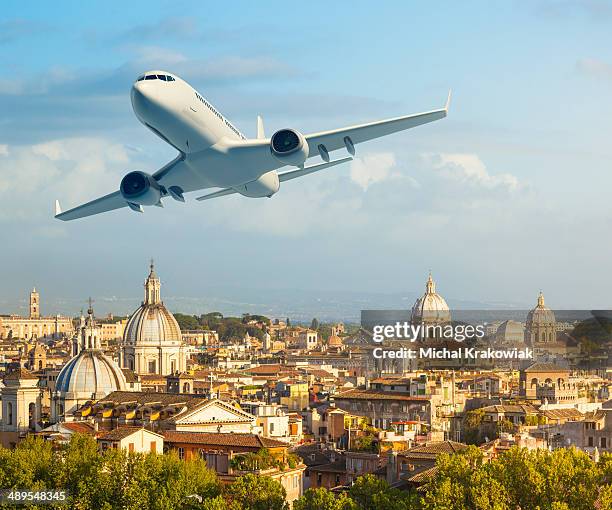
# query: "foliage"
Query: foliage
371,493
472,423
564,478
114,479
257,493
322,499
255,461
228,328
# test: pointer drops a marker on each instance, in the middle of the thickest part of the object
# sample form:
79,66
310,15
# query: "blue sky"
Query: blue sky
507,196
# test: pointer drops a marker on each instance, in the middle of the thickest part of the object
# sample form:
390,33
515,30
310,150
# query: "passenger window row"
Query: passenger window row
212,109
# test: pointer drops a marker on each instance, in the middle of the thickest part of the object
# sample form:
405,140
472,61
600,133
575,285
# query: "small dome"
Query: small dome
510,331
541,314
430,307
90,374
334,341
152,323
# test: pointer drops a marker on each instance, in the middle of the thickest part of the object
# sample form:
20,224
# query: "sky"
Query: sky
507,196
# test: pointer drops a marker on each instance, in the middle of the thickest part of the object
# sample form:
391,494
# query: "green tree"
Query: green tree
372,493
322,499
187,322
258,493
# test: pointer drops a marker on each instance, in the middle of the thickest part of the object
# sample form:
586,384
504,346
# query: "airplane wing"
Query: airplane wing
336,138
108,202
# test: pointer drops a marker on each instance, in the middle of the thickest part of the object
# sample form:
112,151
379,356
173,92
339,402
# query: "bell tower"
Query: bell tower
152,288
34,304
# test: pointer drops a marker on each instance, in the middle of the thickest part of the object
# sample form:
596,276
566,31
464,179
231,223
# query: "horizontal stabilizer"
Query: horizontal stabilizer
287,176
216,194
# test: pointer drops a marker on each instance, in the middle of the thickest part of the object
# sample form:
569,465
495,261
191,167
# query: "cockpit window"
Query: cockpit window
163,77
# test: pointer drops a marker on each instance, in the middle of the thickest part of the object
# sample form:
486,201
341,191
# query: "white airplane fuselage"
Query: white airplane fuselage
179,115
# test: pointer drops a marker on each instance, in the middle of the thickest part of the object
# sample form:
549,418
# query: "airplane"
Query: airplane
213,153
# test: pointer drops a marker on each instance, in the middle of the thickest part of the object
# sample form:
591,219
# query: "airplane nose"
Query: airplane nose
141,98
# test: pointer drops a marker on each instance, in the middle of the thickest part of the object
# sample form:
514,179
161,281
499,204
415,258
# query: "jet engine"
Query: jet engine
264,186
140,188
289,147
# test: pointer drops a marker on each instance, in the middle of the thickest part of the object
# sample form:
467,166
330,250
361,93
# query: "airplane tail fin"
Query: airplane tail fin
260,128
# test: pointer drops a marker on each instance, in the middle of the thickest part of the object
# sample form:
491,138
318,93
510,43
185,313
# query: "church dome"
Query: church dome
90,374
152,323
430,307
334,341
510,332
541,314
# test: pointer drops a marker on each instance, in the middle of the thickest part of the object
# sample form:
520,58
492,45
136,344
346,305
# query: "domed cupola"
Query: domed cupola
541,324
89,375
152,323
430,307
152,341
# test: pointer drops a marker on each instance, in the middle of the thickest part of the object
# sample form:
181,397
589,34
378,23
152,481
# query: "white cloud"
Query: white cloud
74,169
372,168
470,169
3,150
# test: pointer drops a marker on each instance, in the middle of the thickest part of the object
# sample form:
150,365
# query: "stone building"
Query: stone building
89,375
152,342
35,326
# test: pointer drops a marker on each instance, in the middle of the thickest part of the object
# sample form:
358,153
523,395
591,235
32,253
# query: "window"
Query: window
151,77
181,453
590,441
9,412
603,442
162,77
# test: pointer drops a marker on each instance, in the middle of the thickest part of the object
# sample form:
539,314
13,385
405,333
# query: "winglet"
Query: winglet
260,128
448,100
58,208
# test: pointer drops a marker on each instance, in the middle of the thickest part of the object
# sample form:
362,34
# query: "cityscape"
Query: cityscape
309,406
323,256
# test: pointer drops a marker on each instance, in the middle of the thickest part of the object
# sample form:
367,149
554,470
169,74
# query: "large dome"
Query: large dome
90,374
541,314
152,323
430,307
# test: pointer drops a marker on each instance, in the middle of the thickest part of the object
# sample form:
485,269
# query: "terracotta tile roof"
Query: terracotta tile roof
558,414
80,427
424,476
338,466
378,395
433,449
545,367
266,370
511,408
221,439
118,434
150,397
